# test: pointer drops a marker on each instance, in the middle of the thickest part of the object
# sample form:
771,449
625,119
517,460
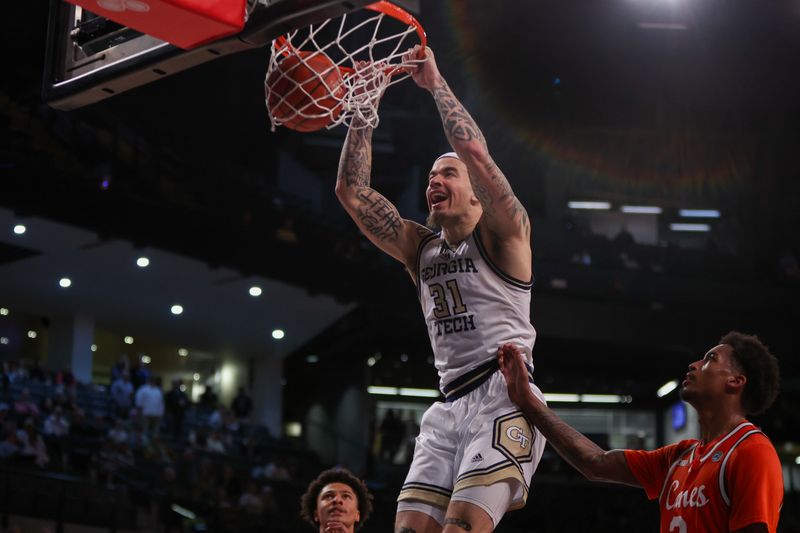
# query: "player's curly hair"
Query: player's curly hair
308,502
760,367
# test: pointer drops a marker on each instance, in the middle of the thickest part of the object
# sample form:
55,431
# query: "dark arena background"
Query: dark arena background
166,232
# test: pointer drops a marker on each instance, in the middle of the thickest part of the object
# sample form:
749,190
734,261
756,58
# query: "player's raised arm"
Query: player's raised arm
376,216
505,215
584,455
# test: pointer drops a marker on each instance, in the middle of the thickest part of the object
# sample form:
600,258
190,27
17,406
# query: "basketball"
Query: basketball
304,92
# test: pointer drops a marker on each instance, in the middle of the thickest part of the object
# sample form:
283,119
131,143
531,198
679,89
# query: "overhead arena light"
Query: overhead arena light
142,262
666,388
403,391
19,229
699,213
641,209
4,311
562,398
605,398
419,393
588,205
690,227
389,391
557,397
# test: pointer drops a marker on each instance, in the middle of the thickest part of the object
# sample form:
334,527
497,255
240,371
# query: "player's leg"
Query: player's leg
418,521
495,461
428,486
478,509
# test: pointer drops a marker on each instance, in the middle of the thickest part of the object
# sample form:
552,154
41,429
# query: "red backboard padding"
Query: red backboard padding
184,23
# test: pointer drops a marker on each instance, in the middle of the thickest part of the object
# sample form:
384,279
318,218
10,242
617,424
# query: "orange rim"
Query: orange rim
387,8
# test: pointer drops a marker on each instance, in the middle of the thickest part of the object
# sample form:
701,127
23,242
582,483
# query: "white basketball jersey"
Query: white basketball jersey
470,306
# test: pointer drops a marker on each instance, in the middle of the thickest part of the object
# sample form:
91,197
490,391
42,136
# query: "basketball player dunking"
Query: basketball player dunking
729,481
475,453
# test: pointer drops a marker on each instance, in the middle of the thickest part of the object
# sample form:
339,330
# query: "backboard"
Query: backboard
90,58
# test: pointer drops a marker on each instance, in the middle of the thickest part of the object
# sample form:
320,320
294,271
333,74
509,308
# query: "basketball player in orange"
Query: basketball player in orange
474,282
728,481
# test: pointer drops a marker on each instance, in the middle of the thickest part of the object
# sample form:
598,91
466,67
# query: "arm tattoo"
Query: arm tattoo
377,215
459,127
463,524
458,124
356,160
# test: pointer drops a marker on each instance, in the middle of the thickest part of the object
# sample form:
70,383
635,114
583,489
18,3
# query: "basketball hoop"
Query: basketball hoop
366,49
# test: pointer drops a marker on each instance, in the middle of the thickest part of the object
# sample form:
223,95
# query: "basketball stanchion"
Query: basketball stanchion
316,81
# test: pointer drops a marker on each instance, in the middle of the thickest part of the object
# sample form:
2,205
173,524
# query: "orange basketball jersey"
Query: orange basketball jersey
727,484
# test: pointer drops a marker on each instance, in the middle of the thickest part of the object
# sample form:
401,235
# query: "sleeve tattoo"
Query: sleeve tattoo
459,127
377,215
356,160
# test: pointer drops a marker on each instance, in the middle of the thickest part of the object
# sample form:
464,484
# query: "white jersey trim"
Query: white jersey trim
514,282
722,488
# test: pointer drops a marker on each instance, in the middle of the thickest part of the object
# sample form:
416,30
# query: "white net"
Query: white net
303,89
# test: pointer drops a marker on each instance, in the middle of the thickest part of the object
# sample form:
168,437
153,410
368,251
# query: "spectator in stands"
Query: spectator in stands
275,471
251,500
9,444
336,501
242,404
198,439
215,442
159,452
67,404
17,372
392,432
118,434
31,444
230,481
24,407
122,366
150,402
205,480
36,372
122,395
46,406
175,404
222,499
56,424
138,440
229,422
65,381
5,380
111,458
140,375
208,400
217,418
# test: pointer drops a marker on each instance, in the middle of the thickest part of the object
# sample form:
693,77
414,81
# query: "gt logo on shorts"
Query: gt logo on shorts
515,433
513,437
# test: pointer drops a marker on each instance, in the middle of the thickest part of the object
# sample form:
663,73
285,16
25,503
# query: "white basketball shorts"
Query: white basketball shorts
476,440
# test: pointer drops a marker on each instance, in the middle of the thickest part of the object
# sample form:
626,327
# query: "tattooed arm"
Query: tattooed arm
595,463
376,217
504,214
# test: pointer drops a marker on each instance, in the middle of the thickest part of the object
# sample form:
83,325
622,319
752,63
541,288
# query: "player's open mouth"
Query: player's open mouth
438,199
